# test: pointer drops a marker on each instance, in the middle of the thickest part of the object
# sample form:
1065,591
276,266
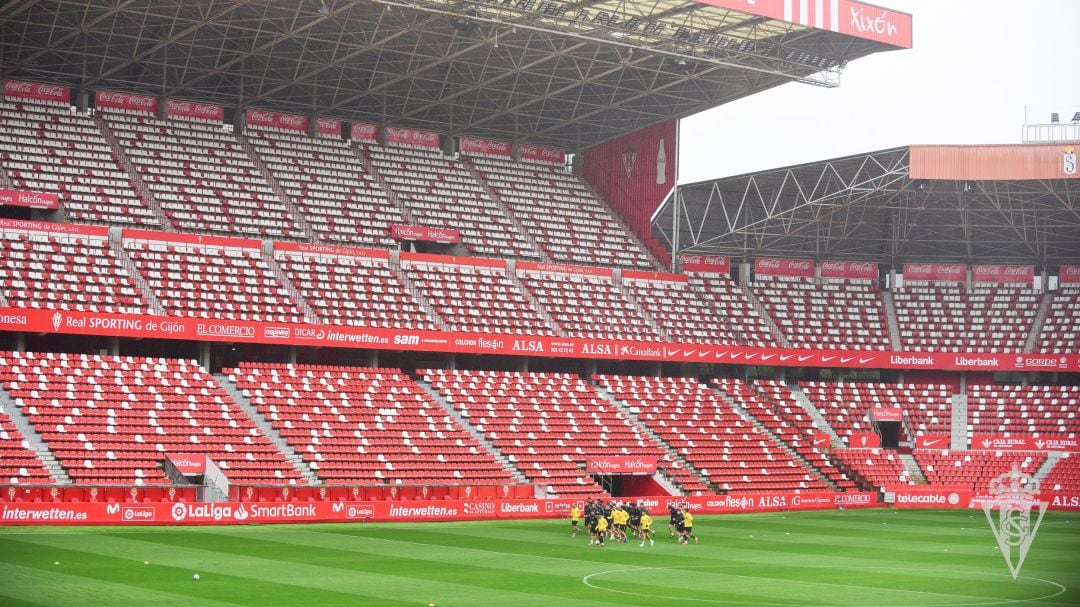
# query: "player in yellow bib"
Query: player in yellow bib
645,528
601,530
688,528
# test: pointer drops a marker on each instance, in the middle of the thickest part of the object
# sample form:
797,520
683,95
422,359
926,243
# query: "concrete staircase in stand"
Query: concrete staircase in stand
1052,458
915,472
819,420
890,318
959,441
1037,324
776,439
471,429
673,455
264,425
34,442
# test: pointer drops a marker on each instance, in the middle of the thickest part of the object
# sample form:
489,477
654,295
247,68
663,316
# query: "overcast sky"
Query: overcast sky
974,67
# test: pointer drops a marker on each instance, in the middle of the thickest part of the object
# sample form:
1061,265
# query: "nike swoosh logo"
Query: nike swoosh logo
688,352
751,355
931,443
803,359
826,359
767,356
786,356
863,361
821,442
736,355
846,359
720,355
670,352
702,354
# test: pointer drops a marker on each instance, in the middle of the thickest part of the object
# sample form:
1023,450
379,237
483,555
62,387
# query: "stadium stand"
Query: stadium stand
926,408
440,192
1061,326
1065,475
585,302
1043,411
366,426
60,271
872,468
947,317
974,469
356,288
475,296
110,420
569,222
678,310
548,424
695,421
773,404
48,147
201,176
228,281
339,199
825,313
747,320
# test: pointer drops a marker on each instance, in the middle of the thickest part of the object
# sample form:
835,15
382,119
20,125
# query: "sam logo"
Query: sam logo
1014,528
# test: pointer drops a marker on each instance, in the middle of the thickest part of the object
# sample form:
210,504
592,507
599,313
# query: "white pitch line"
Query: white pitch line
992,601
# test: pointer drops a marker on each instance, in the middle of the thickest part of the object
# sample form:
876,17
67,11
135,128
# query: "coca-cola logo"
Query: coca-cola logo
987,270
179,106
551,154
207,109
921,269
800,265
691,259
329,125
18,87
950,270
484,146
261,117
1017,271
292,120
125,100
51,91
365,131
863,267
769,264
1070,272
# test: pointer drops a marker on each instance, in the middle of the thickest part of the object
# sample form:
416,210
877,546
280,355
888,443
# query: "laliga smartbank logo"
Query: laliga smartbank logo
1014,529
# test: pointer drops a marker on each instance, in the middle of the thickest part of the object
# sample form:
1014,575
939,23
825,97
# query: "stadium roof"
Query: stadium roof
974,204
561,73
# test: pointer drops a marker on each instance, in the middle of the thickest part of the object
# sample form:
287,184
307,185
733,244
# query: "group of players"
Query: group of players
618,521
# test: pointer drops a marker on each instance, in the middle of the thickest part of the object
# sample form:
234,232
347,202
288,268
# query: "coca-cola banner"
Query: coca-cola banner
783,267
441,235
1003,274
937,272
561,268
930,496
473,145
933,441
402,136
860,440
886,414
189,463
1069,275
240,331
289,122
616,464
535,152
190,109
13,89
124,101
1024,442
863,270
245,513
328,126
56,228
25,198
360,131
712,264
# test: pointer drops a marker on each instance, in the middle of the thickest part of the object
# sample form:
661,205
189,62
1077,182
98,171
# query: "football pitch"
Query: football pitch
867,558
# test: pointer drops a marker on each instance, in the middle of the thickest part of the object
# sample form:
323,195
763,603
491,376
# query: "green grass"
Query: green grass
865,558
